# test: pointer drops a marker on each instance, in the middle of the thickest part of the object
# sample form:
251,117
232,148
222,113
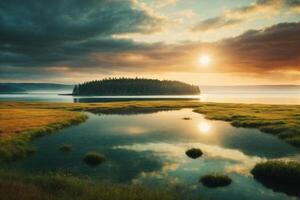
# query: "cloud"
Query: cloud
240,14
273,49
215,23
37,33
44,39
256,53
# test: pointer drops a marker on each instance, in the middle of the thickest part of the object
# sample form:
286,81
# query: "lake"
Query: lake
260,97
149,149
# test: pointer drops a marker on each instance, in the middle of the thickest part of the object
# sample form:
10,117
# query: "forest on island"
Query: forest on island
135,86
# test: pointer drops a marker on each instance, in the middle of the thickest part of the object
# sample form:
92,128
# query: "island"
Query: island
134,86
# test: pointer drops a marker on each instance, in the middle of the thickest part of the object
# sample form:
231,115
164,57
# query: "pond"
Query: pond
149,149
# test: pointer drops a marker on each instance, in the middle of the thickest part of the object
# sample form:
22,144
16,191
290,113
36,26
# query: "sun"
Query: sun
204,60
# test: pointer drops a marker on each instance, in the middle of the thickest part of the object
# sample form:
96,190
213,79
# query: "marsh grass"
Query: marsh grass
280,120
280,175
20,126
187,118
194,153
58,186
21,122
65,147
215,180
94,158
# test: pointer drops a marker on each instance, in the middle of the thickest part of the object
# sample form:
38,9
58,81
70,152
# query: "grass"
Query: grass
128,107
187,118
19,126
65,147
21,122
215,180
94,158
280,120
280,175
15,186
194,153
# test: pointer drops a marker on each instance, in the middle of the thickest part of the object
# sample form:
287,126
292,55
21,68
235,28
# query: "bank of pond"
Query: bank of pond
138,146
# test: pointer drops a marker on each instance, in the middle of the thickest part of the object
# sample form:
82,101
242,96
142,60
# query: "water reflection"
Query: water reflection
240,162
204,127
279,97
150,149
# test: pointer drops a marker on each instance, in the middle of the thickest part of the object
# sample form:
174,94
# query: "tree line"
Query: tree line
134,86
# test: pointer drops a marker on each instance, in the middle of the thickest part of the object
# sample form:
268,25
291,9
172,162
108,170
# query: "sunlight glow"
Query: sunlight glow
204,60
204,127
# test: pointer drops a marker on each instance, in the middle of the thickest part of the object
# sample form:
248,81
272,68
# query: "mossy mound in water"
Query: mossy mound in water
215,180
187,118
65,147
94,158
282,176
194,153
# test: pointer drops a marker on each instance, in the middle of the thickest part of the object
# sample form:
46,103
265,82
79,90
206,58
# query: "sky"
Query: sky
71,41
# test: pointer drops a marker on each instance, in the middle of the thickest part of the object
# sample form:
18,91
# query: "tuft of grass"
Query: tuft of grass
58,186
65,147
187,118
215,180
194,153
280,175
94,158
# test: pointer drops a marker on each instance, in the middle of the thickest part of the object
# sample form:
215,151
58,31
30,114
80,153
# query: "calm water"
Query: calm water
150,149
266,98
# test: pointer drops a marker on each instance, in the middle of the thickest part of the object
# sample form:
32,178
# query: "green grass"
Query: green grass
280,175
194,153
65,147
15,186
94,158
215,180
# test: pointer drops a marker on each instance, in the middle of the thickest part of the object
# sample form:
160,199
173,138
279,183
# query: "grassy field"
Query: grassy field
280,120
15,186
18,126
21,122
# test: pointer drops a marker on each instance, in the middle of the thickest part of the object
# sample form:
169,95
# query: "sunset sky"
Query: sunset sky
70,41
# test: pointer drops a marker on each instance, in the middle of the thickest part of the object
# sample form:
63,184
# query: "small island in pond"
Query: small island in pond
135,86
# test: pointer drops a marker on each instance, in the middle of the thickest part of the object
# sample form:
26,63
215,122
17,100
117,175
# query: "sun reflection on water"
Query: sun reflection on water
204,127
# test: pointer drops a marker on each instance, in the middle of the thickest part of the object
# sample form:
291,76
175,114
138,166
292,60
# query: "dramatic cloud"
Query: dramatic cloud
74,38
274,49
34,33
238,15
